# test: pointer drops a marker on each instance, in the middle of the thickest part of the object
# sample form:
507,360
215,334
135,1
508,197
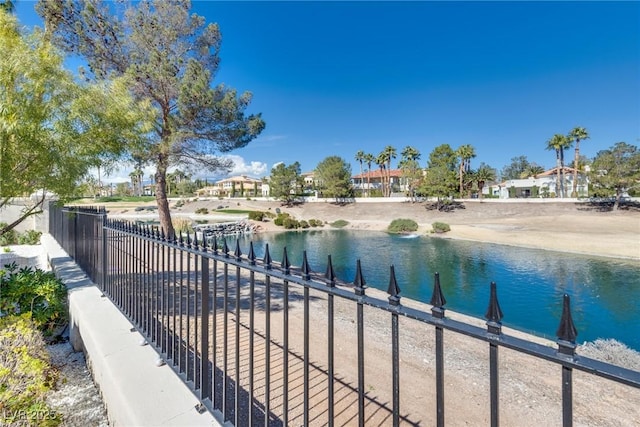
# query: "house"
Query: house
541,185
372,180
235,186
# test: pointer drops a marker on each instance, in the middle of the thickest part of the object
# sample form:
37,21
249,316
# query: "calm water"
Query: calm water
605,293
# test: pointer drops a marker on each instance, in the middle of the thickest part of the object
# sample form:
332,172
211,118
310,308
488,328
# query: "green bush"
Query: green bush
440,227
33,290
202,211
8,238
303,224
290,223
316,223
402,225
280,219
26,374
340,223
256,216
30,237
269,214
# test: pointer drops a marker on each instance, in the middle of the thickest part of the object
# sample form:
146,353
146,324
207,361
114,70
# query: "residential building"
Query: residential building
372,180
541,185
235,186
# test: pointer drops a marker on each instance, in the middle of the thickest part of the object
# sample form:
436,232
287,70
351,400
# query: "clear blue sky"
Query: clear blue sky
332,78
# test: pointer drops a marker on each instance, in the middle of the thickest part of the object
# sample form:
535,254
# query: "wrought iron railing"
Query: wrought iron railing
197,302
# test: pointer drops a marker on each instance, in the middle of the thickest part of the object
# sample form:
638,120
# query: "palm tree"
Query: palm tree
532,170
559,143
483,174
360,159
381,161
369,159
390,153
465,153
410,167
577,134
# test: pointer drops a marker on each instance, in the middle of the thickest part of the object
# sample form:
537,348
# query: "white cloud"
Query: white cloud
240,167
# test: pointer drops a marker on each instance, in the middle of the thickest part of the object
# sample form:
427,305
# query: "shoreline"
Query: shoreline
576,228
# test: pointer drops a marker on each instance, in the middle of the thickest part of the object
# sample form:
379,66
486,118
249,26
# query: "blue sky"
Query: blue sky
332,78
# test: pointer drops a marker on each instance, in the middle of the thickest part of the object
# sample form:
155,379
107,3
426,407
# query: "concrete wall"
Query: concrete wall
136,391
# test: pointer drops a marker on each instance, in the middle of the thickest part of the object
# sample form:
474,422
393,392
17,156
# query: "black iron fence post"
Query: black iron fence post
567,334
494,329
437,311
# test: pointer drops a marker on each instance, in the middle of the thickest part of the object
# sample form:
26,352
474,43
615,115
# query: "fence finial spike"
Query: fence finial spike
567,331
195,239
306,269
437,298
285,261
252,254
237,252
359,282
267,257
330,275
494,312
225,248
393,290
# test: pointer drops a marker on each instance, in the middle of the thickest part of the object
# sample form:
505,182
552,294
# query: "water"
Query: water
605,293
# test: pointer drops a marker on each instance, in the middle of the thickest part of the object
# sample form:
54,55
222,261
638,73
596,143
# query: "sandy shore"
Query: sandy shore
568,227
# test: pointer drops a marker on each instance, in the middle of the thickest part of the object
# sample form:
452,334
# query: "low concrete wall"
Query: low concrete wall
135,391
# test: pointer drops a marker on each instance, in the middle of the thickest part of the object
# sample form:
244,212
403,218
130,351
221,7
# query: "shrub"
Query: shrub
256,216
30,237
290,223
304,224
182,225
179,204
202,211
26,373
316,223
36,291
269,214
8,238
340,223
402,225
280,219
440,227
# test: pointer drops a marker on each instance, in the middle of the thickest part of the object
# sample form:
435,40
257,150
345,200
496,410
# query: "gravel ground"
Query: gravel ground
76,397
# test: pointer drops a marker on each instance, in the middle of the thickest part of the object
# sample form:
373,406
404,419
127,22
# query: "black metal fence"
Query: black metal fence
256,340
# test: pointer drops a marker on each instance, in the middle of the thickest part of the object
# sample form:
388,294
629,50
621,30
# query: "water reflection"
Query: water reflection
604,292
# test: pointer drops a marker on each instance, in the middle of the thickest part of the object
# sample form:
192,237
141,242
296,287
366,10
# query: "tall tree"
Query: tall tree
440,178
171,57
369,159
411,170
559,143
381,161
53,130
334,176
615,171
389,154
514,169
360,159
465,153
284,181
577,134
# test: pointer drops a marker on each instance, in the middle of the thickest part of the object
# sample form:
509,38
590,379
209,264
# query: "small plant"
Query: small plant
33,290
30,237
316,223
256,216
202,211
440,227
182,225
26,373
402,225
6,249
9,237
304,224
280,219
340,223
179,204
290,223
